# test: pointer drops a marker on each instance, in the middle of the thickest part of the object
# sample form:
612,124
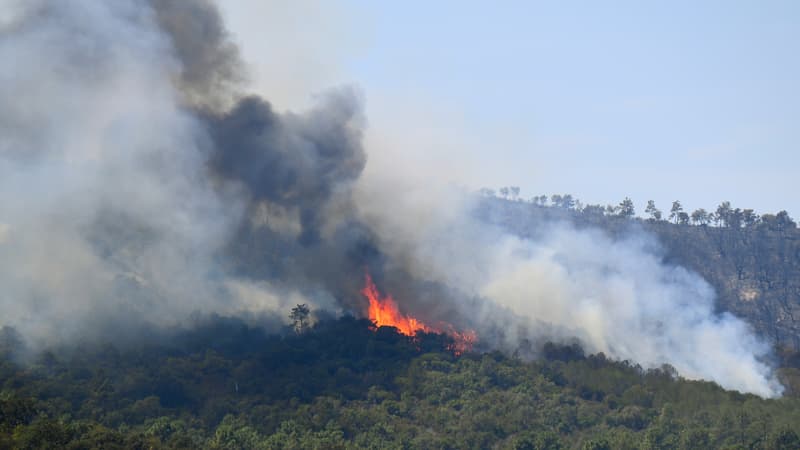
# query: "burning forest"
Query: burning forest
188,260
383,311
141,183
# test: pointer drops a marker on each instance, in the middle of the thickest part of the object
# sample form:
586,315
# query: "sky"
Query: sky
680,100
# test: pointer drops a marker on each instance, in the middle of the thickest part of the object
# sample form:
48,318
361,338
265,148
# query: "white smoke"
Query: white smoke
619,298
106,207
616,295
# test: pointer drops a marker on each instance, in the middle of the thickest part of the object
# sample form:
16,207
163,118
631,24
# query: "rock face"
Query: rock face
755,270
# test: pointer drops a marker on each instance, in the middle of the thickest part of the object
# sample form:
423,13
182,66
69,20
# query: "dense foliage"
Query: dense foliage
344,384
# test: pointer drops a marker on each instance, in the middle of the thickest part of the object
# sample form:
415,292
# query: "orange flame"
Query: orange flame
383,311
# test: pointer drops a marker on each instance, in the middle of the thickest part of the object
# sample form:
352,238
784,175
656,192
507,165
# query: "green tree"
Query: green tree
597,444
785,439
695,439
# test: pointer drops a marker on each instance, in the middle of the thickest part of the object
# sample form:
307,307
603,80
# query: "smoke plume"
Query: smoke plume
139,185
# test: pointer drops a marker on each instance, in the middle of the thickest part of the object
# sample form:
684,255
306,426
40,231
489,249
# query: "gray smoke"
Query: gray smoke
210,70
292,161
615,296
117,204
139,185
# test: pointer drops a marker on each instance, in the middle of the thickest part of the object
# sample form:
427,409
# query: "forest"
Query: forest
343,383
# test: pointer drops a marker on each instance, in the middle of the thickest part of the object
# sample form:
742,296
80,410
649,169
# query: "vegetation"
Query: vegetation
224,384
345,384
724,216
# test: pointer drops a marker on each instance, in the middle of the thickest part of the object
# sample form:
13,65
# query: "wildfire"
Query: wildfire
383,311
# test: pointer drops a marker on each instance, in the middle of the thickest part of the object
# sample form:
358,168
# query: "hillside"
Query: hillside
754,268
226,383
345,384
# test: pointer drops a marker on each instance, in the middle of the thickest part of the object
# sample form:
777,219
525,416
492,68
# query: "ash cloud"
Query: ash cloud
138,185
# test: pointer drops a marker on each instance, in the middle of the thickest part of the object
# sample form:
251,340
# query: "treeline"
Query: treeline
724,216
346,384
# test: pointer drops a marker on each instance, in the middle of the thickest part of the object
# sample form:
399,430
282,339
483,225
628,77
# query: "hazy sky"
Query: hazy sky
697,101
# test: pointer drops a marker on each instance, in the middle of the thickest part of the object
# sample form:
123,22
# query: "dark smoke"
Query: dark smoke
293,161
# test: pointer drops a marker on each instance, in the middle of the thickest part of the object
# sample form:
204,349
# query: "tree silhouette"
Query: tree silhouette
299,318
677,208
504,192
723,214
567,202
700,217
655,213
749,218
625,208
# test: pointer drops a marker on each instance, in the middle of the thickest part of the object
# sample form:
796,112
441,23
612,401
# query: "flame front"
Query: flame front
383,311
